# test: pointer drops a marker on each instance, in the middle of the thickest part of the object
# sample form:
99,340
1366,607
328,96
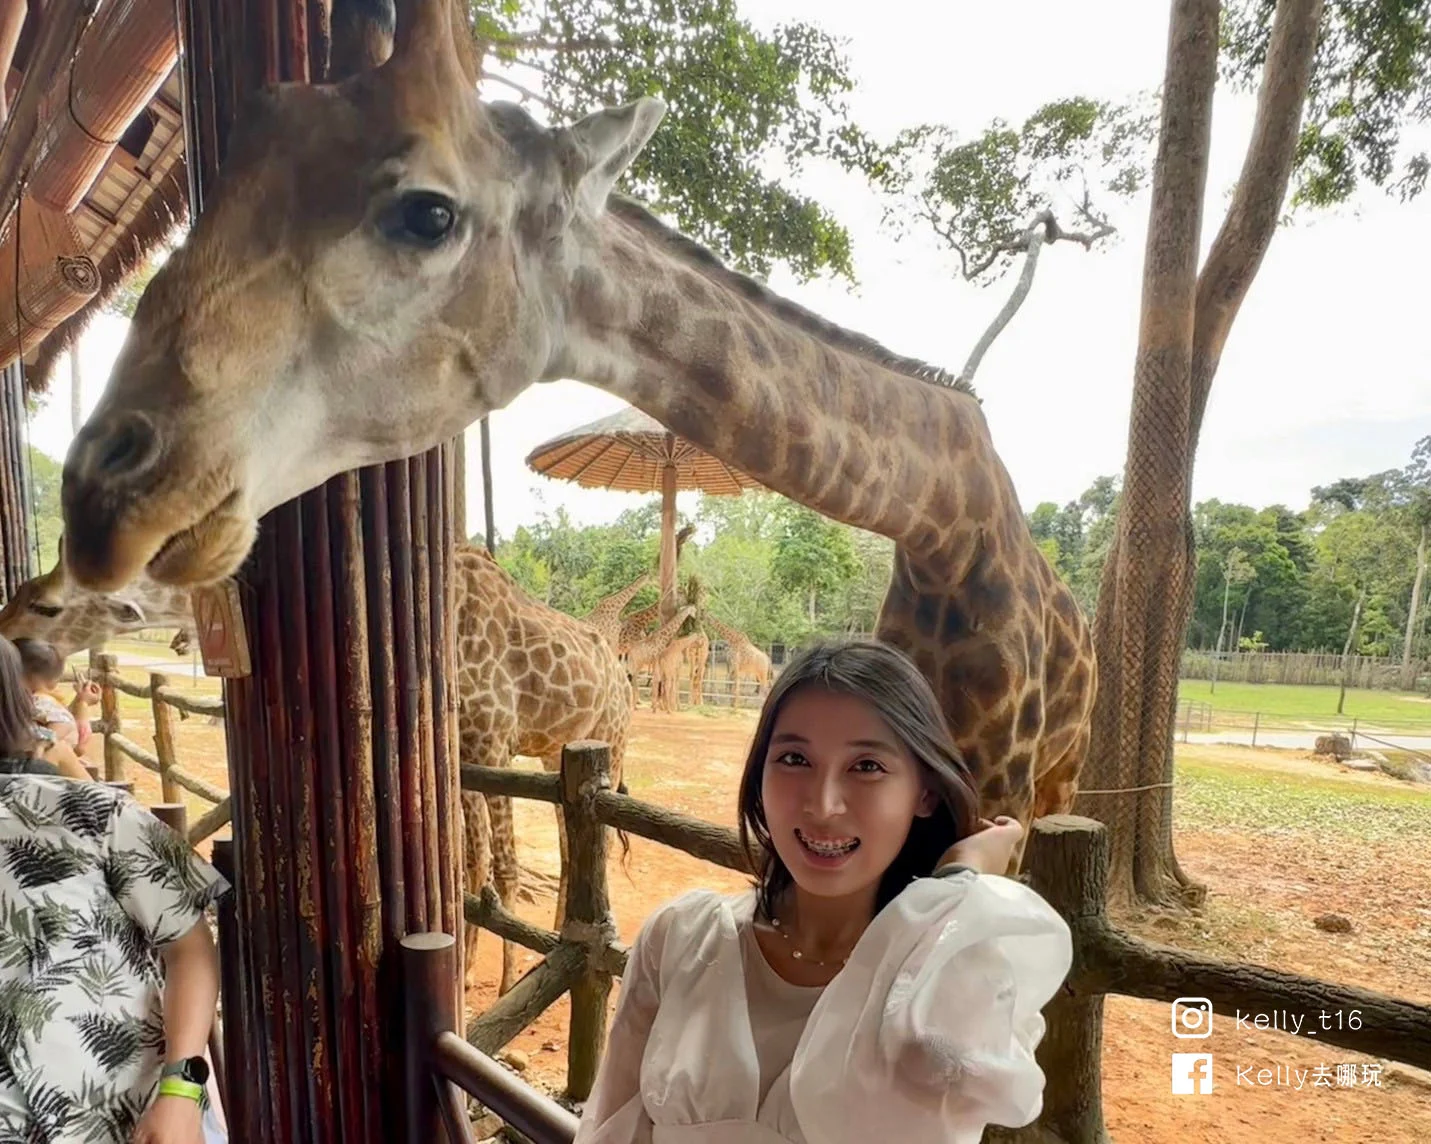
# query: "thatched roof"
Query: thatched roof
630,451
139,196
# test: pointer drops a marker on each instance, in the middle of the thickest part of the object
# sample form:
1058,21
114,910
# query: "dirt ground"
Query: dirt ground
1264,891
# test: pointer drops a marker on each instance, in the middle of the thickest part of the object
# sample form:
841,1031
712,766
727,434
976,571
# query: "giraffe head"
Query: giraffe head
46,608
381,262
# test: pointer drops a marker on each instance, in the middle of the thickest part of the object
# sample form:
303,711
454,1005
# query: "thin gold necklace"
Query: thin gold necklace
796,952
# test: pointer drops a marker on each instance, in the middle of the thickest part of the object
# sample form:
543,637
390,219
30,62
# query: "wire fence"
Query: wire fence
1197,718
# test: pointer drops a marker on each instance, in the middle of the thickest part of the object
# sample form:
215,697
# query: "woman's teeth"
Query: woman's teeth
827,847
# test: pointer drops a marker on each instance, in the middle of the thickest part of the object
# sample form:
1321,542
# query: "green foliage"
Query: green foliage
1371,80
737,99
980,195
122,302
814,556
774,569
45,474
1292,578
1077,537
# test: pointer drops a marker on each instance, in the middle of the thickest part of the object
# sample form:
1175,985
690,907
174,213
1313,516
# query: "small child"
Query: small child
43,667
880,982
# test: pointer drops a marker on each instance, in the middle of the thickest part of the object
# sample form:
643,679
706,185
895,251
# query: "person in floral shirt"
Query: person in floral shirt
108,973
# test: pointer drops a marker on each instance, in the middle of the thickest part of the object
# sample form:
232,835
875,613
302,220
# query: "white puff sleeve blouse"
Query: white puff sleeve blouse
928,1032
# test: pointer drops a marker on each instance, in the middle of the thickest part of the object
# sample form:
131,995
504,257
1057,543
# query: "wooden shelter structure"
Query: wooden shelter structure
91,152
634,452
341,741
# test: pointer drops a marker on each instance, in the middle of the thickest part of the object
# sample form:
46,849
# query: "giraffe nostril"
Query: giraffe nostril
129,448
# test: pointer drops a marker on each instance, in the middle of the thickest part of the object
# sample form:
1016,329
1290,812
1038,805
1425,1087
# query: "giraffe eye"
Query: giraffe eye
49,611
420,218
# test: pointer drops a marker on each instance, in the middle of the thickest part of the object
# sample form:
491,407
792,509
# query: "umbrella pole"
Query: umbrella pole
668,541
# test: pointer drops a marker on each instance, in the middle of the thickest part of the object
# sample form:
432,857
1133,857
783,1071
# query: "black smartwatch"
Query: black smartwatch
195,1070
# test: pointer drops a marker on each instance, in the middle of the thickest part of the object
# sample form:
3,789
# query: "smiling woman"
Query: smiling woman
882,977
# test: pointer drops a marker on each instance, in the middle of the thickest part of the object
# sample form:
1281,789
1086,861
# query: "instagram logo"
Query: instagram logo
1192,1074
1192,1017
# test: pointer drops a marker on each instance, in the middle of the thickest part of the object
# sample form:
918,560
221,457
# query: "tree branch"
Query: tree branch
536,42
524,92
1237,252
1044,231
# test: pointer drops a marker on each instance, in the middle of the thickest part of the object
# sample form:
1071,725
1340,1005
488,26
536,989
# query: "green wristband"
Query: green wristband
174,1086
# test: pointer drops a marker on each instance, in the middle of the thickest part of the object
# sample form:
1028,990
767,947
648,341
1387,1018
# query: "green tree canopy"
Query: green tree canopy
737,99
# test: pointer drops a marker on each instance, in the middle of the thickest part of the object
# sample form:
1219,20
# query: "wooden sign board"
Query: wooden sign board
223,639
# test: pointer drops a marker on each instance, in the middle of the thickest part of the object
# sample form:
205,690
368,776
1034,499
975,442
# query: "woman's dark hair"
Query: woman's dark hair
17,706
39,659
890,683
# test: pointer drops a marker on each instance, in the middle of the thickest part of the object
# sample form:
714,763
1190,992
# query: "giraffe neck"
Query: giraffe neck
811,412
726,632
612,604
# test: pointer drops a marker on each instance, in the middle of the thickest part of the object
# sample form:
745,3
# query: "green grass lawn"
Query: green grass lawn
1215,795
1392,707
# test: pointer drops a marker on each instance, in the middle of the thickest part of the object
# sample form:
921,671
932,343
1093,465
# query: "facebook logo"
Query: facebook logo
1192,1074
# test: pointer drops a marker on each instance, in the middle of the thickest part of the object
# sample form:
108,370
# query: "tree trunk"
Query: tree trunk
488,520
1408,670
669,555
1347,651
1145,595
1241,615
1221,629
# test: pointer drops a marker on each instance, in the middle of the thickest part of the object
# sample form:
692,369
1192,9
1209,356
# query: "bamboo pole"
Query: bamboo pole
344,788
340,1004
356,739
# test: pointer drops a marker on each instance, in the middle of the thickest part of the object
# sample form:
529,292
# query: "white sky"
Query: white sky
1326,374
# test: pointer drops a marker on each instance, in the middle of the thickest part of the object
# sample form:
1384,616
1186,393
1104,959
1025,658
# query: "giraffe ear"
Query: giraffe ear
606,143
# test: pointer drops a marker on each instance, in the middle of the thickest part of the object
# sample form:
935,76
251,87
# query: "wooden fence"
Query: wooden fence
1298,667
167,704
1067,863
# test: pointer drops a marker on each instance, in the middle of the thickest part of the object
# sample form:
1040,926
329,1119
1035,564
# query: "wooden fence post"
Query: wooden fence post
109,712
174,815
429,967
163,737
586,770
1068,866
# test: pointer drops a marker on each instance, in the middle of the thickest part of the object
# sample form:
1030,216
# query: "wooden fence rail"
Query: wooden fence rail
164,702
1067,864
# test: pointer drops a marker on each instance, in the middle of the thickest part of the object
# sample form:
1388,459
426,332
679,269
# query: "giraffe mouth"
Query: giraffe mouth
207,550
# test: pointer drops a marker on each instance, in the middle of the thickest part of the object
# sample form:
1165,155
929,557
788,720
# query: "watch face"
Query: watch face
195,1070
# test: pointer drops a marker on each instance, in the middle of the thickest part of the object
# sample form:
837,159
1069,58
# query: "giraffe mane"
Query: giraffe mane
638,217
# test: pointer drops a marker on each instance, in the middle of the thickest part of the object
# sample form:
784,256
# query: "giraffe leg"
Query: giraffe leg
997,796
552,764
505,877
476,870
1057,788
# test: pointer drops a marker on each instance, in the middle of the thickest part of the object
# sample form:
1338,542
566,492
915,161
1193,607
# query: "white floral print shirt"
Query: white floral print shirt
92,886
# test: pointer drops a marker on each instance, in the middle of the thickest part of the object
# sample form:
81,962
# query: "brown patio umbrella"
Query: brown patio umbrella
636,453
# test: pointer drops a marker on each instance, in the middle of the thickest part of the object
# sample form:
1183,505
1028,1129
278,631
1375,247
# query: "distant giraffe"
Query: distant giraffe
684,652
698,653
606,617
530,679
745,658
646,652
635,626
